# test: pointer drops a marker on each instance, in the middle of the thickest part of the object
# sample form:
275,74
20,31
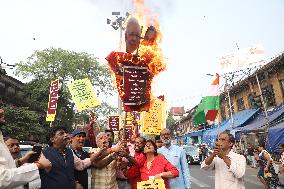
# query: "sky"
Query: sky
195,34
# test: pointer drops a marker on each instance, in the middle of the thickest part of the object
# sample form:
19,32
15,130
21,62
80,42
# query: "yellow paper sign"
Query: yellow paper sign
151,184
83,94
154,120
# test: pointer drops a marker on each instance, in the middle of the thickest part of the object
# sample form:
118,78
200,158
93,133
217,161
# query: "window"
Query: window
254,101
240,104
268,96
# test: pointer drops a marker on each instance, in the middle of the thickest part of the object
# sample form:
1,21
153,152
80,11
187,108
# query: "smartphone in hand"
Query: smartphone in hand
35,157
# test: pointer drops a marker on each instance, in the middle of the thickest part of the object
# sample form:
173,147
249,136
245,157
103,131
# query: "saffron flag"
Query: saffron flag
208,108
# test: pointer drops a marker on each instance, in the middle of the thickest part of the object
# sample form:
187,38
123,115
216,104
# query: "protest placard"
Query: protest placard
83,94
151,184
53,98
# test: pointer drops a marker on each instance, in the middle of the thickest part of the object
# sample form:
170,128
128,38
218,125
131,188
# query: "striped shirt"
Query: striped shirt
104,178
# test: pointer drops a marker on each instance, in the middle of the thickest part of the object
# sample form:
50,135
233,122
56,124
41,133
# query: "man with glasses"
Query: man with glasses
175,155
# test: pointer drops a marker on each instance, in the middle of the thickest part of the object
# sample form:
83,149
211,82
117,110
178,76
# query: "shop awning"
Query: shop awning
275,137
240,118
259,119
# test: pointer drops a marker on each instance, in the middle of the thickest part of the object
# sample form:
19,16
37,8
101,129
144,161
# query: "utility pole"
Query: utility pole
263,102
116,24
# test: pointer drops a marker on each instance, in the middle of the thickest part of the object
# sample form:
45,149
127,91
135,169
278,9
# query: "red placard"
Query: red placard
53,98
135,81
114,122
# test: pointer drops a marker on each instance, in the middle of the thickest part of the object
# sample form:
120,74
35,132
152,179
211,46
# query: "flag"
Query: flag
208,108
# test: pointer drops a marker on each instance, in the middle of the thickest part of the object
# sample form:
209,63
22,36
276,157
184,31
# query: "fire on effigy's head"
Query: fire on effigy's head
135,69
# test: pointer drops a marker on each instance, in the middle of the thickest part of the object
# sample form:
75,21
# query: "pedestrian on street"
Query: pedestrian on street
78,138
281,148
175,155
12,177
266,173
229,166
250,155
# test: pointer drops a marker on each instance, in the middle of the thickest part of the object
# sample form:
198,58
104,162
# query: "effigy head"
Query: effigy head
132,35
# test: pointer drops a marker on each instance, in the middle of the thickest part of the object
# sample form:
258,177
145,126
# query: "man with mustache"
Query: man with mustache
10,176
175,155
229,166
63,161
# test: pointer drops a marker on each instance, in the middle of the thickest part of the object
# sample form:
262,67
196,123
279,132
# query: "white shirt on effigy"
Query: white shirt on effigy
228,177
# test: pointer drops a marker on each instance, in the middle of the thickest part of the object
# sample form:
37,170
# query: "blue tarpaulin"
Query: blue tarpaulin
275,137
259,120
240,118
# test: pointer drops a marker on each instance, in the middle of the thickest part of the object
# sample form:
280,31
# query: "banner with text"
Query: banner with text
153,121
53,98
83,94
151,184
241,59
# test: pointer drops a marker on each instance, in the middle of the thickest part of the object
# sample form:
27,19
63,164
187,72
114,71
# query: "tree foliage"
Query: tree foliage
49,64
22,123
170,122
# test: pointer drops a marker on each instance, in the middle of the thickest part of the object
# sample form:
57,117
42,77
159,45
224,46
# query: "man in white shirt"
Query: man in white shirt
229,166
10,176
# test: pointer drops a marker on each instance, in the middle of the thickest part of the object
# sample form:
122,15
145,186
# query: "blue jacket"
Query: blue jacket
61,175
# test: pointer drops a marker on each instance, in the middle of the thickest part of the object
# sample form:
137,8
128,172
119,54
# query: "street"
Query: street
205,179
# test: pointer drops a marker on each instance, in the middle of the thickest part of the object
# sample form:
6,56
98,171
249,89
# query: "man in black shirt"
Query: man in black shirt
250,156
77,143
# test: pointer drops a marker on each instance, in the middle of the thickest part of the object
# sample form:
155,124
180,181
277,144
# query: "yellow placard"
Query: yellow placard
151,184
83,94
154,120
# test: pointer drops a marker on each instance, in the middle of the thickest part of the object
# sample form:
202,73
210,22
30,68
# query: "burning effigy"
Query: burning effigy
136,68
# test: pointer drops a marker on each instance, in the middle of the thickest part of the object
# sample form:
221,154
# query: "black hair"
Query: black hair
52,131
261,144
144,140
231,137
155,146
157,137
110,131
281,145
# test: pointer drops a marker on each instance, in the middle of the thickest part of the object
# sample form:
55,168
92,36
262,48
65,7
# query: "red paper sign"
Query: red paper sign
135,81
114,122
53,98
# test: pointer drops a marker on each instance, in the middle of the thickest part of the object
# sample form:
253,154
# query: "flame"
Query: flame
149,53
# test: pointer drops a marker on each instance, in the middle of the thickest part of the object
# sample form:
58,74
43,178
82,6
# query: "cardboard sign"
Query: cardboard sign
53,98
151,184
114,122
83,94
134,81
154,120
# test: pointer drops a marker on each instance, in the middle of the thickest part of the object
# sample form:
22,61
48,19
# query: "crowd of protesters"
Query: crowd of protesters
64,163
